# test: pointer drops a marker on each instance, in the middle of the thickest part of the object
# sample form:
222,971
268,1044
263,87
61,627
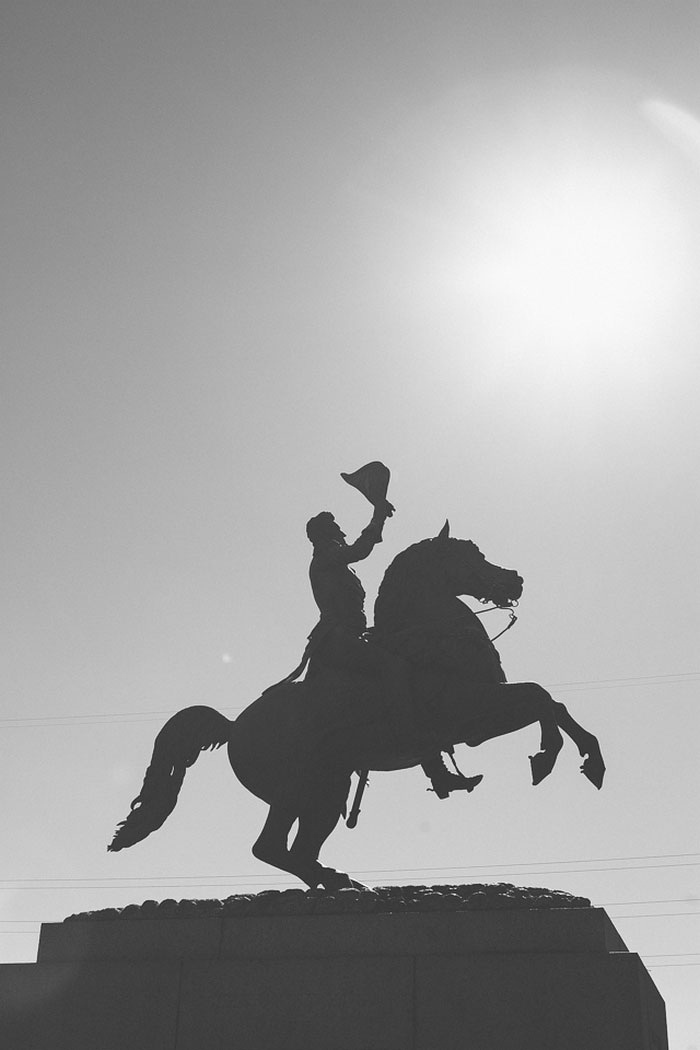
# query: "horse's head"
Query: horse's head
435,571
465,570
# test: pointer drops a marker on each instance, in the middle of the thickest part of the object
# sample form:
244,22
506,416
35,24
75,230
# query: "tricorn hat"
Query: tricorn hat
372,481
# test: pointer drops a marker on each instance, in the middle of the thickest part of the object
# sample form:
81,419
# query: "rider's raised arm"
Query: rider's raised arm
368,538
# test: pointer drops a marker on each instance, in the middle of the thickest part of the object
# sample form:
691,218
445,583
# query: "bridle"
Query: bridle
512,618
459,619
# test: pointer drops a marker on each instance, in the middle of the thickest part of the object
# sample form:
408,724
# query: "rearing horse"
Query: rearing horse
297,745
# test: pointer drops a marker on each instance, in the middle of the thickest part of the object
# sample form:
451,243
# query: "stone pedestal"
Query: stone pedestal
504,978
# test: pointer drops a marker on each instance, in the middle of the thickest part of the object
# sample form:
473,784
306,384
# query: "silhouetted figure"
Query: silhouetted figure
338,640
298,744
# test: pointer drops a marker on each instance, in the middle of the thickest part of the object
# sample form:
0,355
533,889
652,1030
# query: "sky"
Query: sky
250,245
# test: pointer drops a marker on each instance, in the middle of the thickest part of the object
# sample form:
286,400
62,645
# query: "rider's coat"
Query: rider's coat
337,590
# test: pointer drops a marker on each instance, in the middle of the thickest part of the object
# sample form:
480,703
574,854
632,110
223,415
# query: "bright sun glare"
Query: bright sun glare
584,253
580,271
547,227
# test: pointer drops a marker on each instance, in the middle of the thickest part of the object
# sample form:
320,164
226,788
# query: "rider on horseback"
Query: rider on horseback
338,640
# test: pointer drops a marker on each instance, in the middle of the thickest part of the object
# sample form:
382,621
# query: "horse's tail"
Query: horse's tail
176,747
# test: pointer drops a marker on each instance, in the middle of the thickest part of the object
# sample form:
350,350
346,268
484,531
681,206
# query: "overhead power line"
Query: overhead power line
372,875
426,867
656,915
668,966
611,683
129,717
670,900
253,880
605,904
670,955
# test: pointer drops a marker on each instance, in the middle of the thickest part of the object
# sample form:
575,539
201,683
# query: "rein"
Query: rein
511,622
458,619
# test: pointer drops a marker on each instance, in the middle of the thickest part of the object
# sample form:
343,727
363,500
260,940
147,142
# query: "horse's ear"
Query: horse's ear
444,533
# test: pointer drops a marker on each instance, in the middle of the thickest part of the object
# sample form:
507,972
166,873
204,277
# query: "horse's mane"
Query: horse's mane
393,592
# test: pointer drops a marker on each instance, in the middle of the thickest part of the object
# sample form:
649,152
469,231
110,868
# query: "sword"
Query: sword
372,480
354,813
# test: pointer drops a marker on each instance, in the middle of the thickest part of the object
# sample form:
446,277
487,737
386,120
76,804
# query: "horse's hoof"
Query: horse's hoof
594,769
542,765
332,880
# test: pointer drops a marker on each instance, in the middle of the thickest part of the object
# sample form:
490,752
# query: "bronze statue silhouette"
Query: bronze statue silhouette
340,639
297,745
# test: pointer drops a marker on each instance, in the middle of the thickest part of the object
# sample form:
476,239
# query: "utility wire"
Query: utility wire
668,966
406,871
670,900
674,900
605,904
670,955
682,676
389,871
186,882
119,717
656,915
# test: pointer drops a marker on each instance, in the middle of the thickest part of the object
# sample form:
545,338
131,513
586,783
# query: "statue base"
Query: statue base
439,967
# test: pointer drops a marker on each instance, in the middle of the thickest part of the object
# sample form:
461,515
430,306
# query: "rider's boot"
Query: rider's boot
443,781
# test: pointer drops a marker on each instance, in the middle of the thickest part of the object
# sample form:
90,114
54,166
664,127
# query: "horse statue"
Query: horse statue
296,746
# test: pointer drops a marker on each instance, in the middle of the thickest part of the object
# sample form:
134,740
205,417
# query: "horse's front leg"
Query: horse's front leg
551,740
556,717
553,717
588,747
515,706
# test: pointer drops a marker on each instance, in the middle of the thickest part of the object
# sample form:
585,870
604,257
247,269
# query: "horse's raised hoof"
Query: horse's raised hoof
542,765
594,769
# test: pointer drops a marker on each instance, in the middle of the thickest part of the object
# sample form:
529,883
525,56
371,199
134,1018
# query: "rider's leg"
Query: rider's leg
443,781
412,726
408,717
413,729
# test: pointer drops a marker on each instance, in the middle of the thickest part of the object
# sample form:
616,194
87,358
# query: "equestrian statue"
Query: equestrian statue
424,678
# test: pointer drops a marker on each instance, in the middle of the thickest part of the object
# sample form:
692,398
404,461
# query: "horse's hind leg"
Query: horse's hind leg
271,844
315,826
